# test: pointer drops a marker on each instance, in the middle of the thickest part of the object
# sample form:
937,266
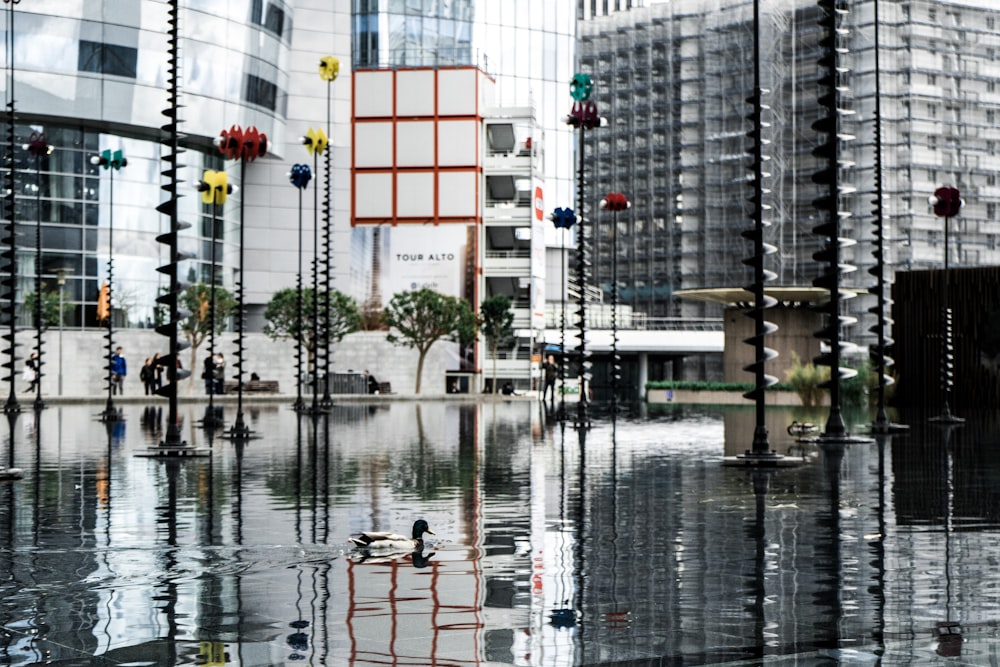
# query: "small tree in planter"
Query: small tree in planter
495,322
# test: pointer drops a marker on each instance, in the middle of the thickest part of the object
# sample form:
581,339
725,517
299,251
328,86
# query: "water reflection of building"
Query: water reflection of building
656,551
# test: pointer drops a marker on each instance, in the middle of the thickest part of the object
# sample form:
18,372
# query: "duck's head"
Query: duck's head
419,528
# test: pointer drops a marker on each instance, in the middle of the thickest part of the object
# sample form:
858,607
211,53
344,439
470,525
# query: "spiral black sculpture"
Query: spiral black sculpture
615,202
172,442
329,68
38,147
828,205
877,353
245,145
761,301
584,117
9,239
947,202
299,177
112,161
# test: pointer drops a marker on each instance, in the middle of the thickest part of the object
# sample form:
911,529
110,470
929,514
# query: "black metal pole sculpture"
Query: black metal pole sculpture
245,145
9,238
946,202
878,353
299,177
112,161
316,143
39,147
615,202
172,444
832,13
329,68
584,117
760,452
562,218
214,188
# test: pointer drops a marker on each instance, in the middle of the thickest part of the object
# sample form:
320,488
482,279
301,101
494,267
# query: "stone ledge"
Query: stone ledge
719,397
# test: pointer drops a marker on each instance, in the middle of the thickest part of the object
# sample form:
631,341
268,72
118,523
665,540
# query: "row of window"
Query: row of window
117,60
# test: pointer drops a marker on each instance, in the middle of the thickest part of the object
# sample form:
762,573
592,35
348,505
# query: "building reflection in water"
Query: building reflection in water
629,541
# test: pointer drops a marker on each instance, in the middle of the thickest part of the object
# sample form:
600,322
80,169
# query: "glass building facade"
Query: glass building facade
527,46
93,77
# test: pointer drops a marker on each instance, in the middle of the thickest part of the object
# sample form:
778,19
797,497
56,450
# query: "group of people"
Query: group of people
214,374
151,374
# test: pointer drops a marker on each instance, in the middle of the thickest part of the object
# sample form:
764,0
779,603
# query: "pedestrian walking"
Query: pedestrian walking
119,369
30,373
551,371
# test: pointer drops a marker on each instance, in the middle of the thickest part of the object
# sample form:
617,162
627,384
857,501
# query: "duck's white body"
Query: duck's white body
386,542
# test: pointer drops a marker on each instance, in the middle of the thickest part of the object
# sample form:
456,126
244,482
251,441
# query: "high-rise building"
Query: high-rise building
673,81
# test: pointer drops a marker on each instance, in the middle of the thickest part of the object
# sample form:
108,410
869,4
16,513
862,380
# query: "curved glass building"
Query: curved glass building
86,77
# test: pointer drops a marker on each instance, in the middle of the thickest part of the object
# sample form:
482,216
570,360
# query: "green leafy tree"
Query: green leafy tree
419,318
50,308
196,326
281,321
496,321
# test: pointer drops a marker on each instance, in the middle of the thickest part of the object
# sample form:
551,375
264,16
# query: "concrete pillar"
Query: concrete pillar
643,374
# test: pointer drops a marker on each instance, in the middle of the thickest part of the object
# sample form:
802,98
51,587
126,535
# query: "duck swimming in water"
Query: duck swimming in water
386,542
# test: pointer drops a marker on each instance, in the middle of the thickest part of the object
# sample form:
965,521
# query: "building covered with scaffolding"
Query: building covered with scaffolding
673,80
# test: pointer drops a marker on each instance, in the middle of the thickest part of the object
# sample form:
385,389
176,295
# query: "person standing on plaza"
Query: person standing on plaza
550,373
208,374
157,372
148,376
31,372
119,369
219,373
371,382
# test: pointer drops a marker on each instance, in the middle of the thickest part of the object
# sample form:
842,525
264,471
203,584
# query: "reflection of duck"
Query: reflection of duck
798,428
418,558
390,542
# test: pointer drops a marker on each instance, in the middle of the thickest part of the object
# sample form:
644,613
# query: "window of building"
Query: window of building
260,92
991,211
271,17
109,59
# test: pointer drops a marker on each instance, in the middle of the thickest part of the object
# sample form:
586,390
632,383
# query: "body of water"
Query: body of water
628,544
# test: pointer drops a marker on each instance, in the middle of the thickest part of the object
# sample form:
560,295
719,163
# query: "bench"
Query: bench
251,387
385,387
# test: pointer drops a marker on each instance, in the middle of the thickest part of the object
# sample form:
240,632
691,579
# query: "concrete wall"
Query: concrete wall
796,333
84,369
